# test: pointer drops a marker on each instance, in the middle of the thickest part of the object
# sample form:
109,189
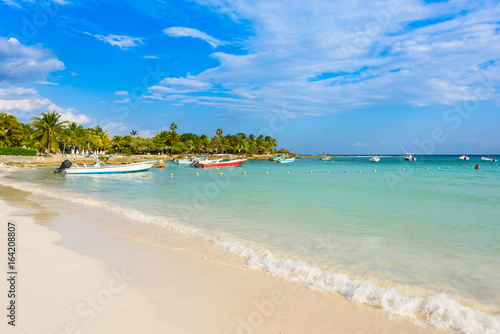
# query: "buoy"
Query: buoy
244,173
220,173
359,171
288,172
389,170
344,171
171,174
404,168
310,172
448,167
267,172
426,167
416,168
374,170
466,167
328,171
439,167
197,174
144,175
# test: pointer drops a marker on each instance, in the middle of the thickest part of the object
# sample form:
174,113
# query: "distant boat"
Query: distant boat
282,156
97,168
488,159
375,159
463,157
324,157
408,156
286,161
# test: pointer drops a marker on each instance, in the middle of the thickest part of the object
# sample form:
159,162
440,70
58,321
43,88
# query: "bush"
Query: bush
127,151
17,151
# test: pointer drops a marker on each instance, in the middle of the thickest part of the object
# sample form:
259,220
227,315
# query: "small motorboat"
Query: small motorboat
488,159
464,157
186,161
218,163
375,159
408,156
286,161
324,157
100,167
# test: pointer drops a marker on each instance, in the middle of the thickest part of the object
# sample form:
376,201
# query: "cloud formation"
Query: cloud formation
26,102
194,33
123,42
20,63
324,58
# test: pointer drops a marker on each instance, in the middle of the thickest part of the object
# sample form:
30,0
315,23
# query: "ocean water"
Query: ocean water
421,240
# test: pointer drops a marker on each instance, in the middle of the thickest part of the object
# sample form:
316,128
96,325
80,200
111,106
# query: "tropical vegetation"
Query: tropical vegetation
49,134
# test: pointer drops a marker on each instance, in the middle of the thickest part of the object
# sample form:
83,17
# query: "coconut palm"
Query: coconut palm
219,134
173,127
133,133
49,129
11,131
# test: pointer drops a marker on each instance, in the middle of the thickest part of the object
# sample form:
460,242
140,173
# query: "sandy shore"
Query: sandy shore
92,271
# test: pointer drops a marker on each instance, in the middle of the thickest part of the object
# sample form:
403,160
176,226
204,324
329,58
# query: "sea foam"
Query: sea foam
438,310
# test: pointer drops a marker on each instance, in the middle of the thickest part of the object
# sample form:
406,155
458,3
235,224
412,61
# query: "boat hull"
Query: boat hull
231,163
129,168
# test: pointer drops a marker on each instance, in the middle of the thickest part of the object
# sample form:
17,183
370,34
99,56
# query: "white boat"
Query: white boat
286,161
488,159
408,156
464,157
186,161
101,168
375,159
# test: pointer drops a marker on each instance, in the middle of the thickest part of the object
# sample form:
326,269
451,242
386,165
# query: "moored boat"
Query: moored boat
100,167
408,156
375,159
286,161
464,157
488,159
218,163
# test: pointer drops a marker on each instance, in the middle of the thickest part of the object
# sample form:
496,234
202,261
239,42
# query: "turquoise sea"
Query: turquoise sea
421,240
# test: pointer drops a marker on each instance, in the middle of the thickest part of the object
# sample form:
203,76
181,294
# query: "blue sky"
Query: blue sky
347,77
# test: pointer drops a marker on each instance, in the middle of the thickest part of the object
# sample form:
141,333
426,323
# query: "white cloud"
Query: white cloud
324,58
44,82
26,102
20,63
150,57
180,86
123,42
194,33
359,144
115,128
16,3
121,93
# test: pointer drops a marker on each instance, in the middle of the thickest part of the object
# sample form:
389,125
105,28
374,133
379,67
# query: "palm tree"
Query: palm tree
48,128
101,137
133,133
11,131
219,134
173,127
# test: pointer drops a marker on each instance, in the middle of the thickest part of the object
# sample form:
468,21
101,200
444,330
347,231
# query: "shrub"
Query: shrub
17,151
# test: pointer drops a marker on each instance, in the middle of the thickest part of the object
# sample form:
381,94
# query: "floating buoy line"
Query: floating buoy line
345,171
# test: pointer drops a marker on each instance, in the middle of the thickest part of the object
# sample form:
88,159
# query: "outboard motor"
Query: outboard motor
65,165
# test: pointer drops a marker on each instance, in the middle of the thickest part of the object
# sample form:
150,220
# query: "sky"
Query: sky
342,77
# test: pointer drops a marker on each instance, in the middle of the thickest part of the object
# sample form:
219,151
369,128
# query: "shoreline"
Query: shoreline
203,273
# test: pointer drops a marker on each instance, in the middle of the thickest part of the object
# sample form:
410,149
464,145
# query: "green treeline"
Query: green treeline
49,134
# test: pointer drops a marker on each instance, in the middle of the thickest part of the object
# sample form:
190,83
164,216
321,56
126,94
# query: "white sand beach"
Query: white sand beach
86,270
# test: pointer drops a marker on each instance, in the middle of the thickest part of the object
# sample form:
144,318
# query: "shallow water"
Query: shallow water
421,231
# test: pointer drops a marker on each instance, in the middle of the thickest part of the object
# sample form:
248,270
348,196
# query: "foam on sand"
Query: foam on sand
438,310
